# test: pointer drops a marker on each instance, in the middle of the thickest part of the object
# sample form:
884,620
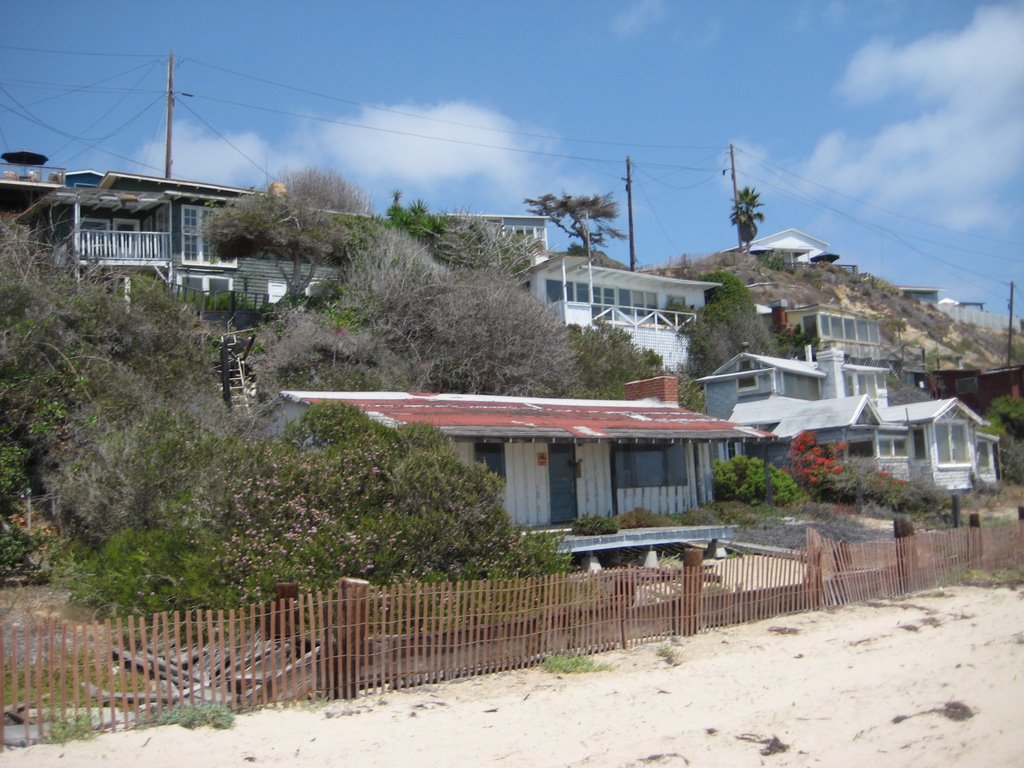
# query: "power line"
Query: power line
225,139
418,116
933,225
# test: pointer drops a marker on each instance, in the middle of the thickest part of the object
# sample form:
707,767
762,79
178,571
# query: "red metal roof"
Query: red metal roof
537,418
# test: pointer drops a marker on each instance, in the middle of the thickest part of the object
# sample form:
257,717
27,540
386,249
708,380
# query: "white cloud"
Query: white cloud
960,140
230,158
433,146
637,17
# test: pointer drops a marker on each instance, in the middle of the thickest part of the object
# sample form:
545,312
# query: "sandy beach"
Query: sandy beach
936,679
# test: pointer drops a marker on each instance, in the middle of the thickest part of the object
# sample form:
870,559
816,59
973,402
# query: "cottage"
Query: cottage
566,458
846,403
650,308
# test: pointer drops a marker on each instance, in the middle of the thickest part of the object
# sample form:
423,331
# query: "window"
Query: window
276,291
861,448
604,296
892,447
491,454
194,247
920,447
554,290
984,453
951,439
967,386
205,283
645,466
746,382
811,326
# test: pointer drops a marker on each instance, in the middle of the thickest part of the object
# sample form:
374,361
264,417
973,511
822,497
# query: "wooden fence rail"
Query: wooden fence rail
363,639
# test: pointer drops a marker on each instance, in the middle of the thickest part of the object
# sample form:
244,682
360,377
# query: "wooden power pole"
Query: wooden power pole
735,196
629,211
170,114
1009,332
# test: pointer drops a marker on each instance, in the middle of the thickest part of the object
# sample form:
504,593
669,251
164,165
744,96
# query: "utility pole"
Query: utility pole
735,196
1009,332
629,209
170,114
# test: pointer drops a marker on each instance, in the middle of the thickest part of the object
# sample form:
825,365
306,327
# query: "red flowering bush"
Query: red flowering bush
818,468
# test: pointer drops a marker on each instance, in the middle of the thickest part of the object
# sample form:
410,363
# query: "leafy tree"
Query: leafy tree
585,217
606,359
726,323
1007,416
297,224
415,219
745,215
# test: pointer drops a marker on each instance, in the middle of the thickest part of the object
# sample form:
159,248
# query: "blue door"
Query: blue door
562,481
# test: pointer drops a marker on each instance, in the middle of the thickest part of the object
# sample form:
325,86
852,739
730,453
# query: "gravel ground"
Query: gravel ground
832,525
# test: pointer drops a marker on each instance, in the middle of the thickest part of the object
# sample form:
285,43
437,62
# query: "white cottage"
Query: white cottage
650,308
562,459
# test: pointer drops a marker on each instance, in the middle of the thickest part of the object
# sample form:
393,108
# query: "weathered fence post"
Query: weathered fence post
814,585
906,554
693,583
353,618
282,618
975,550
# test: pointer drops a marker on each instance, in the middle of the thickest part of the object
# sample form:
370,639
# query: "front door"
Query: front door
562,481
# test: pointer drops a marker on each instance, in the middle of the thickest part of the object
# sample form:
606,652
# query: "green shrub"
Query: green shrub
644,518
741,478
75,727
563,664
197,716
594,525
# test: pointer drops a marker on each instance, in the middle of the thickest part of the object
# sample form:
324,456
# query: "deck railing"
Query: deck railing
124,247
640,317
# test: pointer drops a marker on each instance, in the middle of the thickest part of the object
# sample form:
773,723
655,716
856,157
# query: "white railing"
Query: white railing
636,317
138,247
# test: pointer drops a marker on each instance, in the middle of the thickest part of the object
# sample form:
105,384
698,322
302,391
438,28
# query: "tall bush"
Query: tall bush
741,478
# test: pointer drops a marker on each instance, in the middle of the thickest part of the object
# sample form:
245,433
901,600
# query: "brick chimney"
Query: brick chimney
663,388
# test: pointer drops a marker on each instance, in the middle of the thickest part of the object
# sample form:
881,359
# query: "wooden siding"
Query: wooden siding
594,487
526,484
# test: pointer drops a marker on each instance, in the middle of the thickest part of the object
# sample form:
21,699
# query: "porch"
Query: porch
122,248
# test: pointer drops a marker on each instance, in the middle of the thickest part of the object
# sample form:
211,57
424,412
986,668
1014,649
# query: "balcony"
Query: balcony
123,248
639,317
31,174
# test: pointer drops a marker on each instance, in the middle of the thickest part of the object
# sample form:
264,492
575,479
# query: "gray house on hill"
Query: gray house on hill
148,225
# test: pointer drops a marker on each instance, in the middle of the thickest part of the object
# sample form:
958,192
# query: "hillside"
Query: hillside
905,323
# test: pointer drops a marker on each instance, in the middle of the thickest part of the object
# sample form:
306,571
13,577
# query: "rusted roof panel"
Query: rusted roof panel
493,417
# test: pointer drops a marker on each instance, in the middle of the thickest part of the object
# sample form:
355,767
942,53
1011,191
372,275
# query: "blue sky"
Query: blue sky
894,130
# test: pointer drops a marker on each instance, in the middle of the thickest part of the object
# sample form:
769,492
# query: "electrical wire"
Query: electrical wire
226,140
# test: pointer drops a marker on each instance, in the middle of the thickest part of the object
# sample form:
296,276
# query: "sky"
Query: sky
891,129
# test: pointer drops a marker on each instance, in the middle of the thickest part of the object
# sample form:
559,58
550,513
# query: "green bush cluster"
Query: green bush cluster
644,518
595,525
339,495
741,478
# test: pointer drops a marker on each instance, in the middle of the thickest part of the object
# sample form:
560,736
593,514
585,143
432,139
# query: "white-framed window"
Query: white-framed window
951,440
983,450
206,283
126,225
94,225
892,447
194,248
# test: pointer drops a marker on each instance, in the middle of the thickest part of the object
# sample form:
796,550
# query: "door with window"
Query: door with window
562,482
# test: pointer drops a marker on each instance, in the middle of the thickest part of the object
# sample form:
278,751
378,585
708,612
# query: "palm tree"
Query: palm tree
745,215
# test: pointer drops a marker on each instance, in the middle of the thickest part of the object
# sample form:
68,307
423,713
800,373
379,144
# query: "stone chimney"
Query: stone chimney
830,362
663,388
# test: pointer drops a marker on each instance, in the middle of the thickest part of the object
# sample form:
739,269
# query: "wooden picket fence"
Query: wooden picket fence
362,639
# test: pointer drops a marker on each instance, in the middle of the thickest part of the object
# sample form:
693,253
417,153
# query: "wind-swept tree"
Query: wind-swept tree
745,215
298,223
585,217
